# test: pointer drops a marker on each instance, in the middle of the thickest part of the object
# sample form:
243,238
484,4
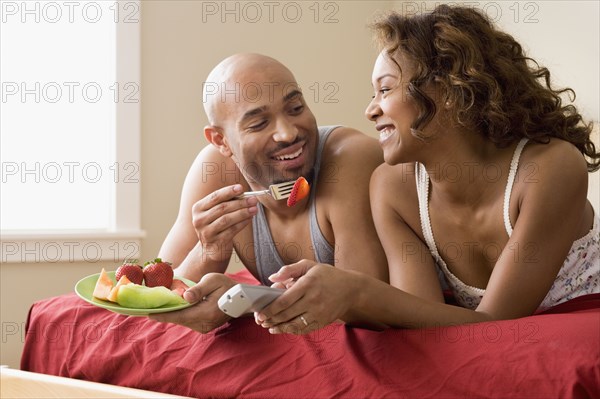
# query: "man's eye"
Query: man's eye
297,110
258,126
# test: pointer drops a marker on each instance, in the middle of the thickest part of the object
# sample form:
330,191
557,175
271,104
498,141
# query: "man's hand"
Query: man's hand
204,315
318,295
218,217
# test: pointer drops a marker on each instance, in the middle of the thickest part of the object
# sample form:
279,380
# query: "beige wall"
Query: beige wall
332,62
179,49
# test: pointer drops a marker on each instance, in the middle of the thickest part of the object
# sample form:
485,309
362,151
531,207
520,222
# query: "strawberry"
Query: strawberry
132,270
299,191
157,273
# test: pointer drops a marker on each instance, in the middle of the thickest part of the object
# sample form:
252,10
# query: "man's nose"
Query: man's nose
286,132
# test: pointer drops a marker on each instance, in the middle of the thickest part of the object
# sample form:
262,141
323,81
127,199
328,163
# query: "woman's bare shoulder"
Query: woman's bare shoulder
394,186
555,162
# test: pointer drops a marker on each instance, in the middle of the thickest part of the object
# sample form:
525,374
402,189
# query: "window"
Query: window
70,130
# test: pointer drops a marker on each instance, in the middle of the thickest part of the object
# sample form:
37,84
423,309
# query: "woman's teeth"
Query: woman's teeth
290,156
385,133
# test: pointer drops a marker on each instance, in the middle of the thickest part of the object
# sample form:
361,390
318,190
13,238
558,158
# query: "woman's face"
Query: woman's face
393,111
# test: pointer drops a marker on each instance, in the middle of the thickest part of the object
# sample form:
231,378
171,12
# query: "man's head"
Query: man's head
257,116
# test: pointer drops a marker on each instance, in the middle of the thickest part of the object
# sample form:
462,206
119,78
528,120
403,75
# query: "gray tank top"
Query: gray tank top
268,260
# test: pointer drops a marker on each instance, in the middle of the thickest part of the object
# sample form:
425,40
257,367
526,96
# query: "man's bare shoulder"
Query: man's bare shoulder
350,154
348,160
212,167
347,143
210,153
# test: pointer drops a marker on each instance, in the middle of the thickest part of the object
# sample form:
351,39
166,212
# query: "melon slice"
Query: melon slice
142,297
103,286
113,293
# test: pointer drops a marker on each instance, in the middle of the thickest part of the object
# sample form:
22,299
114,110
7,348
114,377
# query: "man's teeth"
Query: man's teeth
289,156
385,133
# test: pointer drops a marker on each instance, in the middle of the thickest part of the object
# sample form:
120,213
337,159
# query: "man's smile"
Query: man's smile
290,153
289,156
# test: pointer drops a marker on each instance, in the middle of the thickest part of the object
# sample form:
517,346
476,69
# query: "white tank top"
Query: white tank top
579,274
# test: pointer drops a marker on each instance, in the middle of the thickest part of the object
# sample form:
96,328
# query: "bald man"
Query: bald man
261,132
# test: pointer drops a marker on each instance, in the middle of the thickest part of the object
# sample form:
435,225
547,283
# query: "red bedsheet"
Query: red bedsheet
555,354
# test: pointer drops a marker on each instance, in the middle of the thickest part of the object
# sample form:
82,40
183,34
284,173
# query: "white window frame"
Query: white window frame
123,239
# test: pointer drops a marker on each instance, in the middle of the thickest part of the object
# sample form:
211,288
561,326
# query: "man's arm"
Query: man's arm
204,192
350,159
201,240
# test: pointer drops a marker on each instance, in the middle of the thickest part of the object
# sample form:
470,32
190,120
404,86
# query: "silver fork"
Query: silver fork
278,191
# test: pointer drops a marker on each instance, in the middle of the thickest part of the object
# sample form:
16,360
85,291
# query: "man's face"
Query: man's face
271,132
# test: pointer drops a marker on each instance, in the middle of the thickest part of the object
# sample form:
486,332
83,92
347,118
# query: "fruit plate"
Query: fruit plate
85,287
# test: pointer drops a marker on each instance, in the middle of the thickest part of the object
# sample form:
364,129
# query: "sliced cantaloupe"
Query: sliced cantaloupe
113,293
103,286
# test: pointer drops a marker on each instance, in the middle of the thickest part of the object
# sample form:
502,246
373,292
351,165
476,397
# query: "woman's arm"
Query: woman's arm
394,199
551,208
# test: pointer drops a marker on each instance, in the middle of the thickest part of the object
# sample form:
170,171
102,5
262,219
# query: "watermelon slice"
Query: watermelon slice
299,191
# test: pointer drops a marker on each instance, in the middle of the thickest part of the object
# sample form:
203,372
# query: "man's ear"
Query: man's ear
218,139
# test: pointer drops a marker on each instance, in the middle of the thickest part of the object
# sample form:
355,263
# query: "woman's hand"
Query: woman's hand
317,295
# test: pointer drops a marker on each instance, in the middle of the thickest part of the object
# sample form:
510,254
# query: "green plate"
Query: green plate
85,287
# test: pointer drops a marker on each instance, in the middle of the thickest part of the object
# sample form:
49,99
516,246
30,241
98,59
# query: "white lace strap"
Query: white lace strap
514,164
422,180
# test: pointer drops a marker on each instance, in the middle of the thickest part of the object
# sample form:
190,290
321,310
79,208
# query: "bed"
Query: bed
554,354
24,384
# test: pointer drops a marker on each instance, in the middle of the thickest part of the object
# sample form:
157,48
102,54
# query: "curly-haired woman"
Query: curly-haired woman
483,190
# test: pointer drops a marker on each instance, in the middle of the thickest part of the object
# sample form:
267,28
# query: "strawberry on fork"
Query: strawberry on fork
294,191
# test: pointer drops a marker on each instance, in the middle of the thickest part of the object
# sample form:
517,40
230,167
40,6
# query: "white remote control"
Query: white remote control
244,298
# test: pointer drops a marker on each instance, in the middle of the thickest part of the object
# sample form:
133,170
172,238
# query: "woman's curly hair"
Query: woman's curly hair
494,88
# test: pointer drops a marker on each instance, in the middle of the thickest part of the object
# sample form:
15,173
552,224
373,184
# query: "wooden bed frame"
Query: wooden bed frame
24,384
